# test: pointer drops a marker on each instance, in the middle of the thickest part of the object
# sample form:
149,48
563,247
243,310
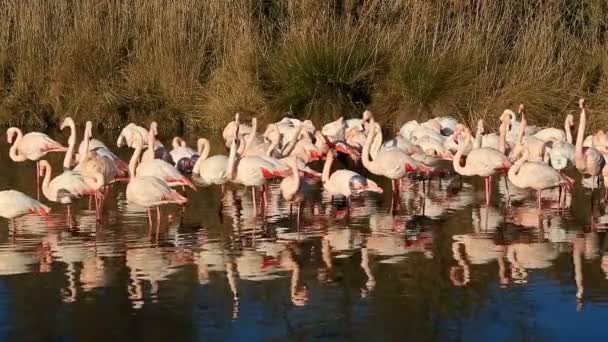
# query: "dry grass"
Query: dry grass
194,63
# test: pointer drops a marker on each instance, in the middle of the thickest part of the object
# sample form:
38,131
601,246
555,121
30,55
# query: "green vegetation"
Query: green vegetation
194,63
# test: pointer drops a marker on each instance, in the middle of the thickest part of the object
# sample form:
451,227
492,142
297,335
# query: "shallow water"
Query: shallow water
443,267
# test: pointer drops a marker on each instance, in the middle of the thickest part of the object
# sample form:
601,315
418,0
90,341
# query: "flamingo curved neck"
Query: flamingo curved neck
203,151
13,151
568,132
85,151
288,149
327,167
578,148
502,138
67,160
46,181
151,140
478,135
231,165
456,161
134,160
365,158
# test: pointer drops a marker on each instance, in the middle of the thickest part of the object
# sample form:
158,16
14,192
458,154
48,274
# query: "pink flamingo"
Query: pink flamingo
588,160
149,191
14,204
32,146
69,186
537,176
160,168
483,162
345,182
210,170
92,164
251,171
390,162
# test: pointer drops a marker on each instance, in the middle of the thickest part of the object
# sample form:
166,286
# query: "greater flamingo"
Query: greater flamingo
149,191
391,163
183,156
588,160
69,186
345,182
210,170
14,204
483,162
160,168
32,146
537,176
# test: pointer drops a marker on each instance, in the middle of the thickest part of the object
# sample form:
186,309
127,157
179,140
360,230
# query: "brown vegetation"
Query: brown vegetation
195,63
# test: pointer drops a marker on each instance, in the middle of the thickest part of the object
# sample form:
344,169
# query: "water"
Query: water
442,268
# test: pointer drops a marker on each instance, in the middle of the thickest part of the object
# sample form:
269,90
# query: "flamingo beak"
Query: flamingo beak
409,167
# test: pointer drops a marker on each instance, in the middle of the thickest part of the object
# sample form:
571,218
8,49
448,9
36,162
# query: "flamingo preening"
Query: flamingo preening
588,160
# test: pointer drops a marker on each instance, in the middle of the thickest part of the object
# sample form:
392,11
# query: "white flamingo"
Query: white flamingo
588,160
149,191
345,182
14,204
562,153
32,146
160,168
209,170
391,163
537,176
483,162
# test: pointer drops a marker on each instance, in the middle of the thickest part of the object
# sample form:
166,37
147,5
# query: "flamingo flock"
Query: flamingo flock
527,157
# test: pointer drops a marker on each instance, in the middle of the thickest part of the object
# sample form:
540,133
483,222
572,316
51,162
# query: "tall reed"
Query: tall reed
194,63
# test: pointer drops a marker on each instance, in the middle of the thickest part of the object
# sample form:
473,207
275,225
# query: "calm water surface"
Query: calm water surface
443,267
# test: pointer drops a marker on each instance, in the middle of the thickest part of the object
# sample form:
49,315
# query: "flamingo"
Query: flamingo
562,153
235,129
160,168
588,161
32,146
294,189
536,175
345,182
391,163
210,170
183,156
14,204
483,162
537,148
251,171
149,191
68,186
130,133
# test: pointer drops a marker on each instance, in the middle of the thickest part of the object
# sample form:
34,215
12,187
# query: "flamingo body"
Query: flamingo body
14,204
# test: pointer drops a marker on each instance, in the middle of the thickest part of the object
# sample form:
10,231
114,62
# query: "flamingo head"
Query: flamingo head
570,120
88,129
67,122
154,128
10,134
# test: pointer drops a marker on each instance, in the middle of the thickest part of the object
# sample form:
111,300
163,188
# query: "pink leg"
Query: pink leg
158,213
38,180
253,197
538,199
486,180
150,217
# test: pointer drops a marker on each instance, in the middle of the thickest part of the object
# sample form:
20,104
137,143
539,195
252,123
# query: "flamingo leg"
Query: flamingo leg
538,199
253,197
487,190
559,200
507,188
150,217
158,213
38,180
298,217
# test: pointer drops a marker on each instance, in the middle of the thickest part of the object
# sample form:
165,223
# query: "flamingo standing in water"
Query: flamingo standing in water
537,175
149,191
14,204
210,170
160,168
32,146
392,163
588,160
483,162
345,182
